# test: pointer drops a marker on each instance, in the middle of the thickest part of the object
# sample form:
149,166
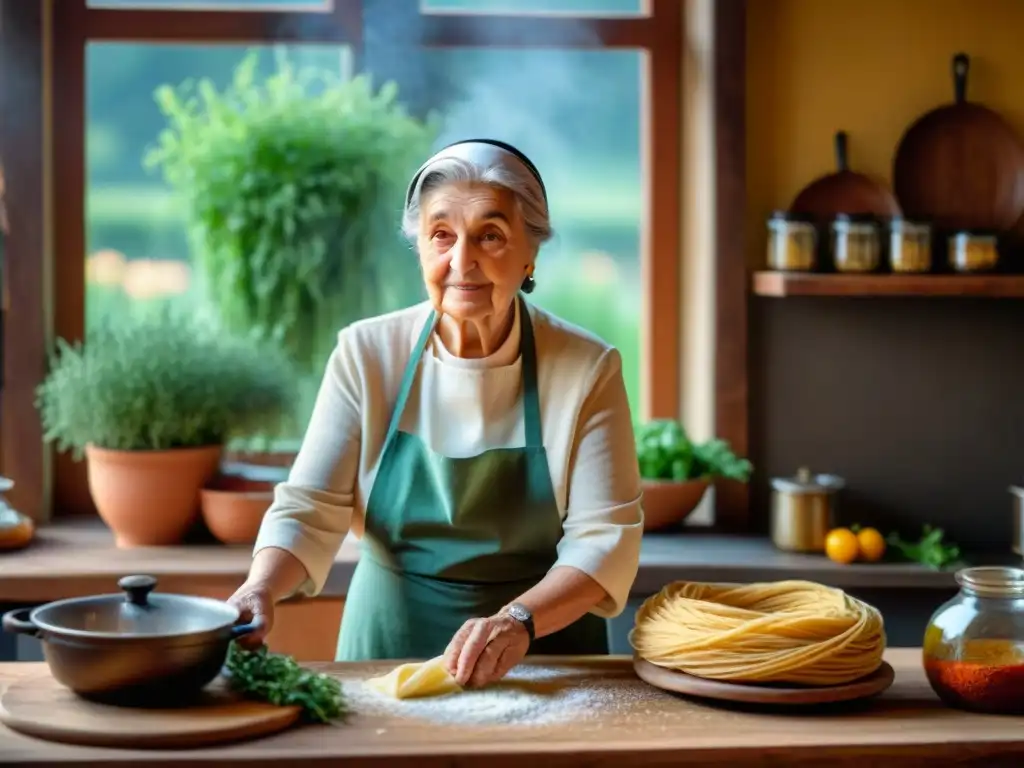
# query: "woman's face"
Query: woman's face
473,249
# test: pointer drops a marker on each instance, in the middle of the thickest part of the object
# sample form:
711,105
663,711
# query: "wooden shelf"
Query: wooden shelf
782,284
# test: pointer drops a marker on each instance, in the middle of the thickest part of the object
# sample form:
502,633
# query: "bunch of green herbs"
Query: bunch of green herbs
280,680
930,550
666,452
163,380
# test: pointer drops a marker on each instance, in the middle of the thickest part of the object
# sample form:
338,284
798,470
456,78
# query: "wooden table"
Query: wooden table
905,727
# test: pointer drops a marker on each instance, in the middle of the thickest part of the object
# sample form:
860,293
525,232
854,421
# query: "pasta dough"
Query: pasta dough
416,680
776,632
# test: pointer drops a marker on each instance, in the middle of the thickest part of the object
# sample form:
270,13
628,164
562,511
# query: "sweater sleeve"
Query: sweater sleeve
603,525
312,511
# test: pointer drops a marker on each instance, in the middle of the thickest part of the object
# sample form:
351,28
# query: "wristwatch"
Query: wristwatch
522,614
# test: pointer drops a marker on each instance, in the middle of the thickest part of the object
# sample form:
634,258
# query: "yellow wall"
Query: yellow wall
869,67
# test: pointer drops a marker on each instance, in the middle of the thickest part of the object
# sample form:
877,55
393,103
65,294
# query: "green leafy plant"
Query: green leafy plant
665,452
292,188
162,380
280,680
929,550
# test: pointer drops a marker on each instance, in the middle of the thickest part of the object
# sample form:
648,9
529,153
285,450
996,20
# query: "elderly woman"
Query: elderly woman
483,448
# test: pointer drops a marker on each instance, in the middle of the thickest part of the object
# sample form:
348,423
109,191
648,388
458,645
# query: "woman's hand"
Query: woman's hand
484,650
256,605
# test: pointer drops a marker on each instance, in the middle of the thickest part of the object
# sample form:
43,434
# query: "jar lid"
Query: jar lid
902,221
780,215
806,482
992,581
858,218
974,233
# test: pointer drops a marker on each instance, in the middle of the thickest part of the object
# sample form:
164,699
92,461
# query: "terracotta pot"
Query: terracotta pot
668,503
149,498
234,517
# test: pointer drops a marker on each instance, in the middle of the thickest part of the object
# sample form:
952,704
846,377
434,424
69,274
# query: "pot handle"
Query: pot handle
241,630
17,622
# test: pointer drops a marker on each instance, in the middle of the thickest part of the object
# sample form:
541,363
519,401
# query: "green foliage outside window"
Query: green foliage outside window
290,190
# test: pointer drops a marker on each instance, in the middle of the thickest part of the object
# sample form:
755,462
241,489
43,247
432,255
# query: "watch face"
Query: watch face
518,613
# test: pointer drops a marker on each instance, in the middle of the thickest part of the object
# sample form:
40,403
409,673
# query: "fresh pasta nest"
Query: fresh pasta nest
795,632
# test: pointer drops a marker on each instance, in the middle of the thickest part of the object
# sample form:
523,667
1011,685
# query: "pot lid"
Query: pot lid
137,613
806,482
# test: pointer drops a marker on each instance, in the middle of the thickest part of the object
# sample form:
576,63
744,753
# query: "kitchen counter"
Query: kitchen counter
70,559
630,723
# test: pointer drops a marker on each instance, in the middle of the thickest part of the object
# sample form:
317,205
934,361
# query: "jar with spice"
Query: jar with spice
856,243
974,643
910,246
792,242
973,251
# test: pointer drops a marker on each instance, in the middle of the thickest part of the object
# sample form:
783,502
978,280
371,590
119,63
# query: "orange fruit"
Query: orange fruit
841,545
871,544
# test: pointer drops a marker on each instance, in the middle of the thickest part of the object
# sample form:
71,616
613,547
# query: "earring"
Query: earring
528,282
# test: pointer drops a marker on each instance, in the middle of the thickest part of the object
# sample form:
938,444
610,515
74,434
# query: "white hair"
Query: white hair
451,170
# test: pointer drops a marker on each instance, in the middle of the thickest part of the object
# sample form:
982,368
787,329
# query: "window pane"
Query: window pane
582,129
572,7
239,5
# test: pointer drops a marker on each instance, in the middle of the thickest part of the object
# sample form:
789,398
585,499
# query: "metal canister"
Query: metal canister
803,510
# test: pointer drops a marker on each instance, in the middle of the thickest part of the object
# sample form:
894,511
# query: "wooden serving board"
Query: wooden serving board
689,685
40,706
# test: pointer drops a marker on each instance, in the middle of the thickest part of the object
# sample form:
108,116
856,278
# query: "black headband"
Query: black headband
494,143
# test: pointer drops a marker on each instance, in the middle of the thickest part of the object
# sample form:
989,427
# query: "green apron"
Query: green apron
447,540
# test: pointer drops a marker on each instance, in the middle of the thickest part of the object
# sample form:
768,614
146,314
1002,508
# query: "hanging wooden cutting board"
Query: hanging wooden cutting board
40,706
844,191
961,165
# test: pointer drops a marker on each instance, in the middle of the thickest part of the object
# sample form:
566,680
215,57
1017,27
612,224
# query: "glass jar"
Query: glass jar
910,246
974,643
792,243
856,243
973,251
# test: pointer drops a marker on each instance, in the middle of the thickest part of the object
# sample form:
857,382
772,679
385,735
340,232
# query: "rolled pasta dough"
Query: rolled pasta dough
415,680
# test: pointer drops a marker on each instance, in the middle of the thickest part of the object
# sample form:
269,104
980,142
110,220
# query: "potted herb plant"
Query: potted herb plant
675,472
290,185
150,402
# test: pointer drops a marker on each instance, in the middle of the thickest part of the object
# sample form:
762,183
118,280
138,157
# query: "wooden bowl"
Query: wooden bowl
666,502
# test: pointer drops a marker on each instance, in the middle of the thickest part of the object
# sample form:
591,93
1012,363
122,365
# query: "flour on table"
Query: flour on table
528,695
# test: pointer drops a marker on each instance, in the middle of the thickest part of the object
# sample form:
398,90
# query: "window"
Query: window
592,111
582,130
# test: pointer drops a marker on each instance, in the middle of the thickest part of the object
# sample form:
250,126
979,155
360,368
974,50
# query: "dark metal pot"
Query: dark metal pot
135,648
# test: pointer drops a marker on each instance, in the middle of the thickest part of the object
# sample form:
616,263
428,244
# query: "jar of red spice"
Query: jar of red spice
974,643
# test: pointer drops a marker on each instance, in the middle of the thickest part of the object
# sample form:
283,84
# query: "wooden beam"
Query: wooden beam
24,341
661,238
732,288
70,490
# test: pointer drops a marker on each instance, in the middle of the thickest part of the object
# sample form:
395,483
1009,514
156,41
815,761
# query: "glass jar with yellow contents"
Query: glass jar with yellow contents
974,643
792,243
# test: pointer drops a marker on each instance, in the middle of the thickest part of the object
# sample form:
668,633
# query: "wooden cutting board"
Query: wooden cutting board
40,706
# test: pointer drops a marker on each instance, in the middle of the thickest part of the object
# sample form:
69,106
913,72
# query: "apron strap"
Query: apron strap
531,396
410,376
